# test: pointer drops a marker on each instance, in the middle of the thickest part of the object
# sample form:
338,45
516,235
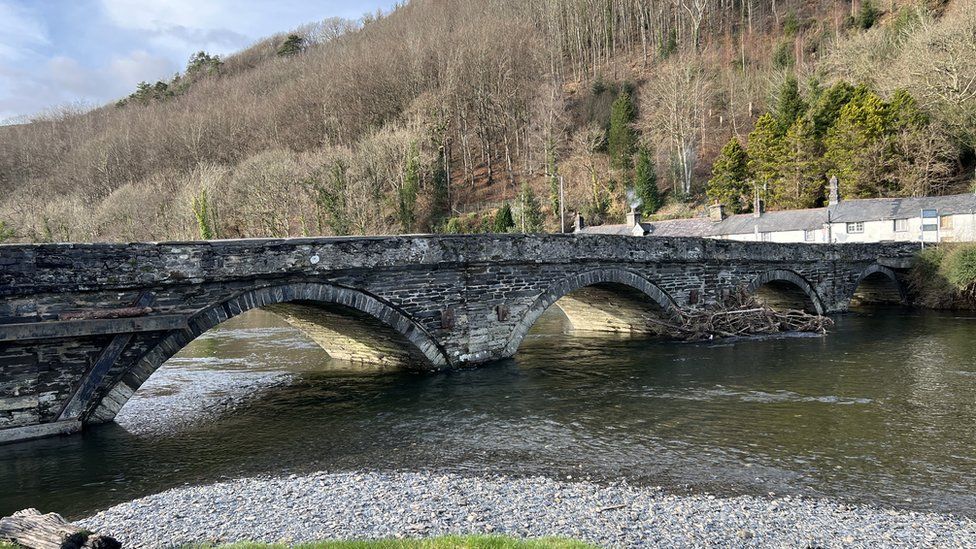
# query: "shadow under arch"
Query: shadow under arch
581,280
784,287
431,353
878,284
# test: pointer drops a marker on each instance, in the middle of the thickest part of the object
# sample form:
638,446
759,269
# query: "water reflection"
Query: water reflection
882,410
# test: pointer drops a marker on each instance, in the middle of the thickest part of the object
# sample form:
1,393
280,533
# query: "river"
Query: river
881,411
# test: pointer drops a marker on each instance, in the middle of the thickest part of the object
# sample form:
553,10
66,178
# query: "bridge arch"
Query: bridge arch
426,349
878,284
564,287
782,286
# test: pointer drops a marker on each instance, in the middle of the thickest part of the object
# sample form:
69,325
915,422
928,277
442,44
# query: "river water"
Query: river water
882,410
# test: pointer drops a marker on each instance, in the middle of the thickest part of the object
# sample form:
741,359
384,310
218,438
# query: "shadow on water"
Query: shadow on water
882,410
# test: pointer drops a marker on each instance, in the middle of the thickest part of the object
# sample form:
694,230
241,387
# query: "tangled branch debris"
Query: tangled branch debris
741,318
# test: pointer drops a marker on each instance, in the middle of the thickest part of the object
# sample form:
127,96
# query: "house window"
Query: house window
766,237
901,225
810,235
855,228
945,223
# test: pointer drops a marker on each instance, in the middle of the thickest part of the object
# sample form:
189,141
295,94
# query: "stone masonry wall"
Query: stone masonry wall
458,299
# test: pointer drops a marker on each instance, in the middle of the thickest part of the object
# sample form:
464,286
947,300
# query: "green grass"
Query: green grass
447,542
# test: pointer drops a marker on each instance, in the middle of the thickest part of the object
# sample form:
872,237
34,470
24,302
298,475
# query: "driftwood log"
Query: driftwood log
29,528
740,318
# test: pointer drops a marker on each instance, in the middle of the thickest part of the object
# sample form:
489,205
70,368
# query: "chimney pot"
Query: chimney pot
834,198
633,217
716,212
759,207
578,223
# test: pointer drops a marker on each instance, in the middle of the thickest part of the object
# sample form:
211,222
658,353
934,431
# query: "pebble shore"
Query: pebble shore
396,505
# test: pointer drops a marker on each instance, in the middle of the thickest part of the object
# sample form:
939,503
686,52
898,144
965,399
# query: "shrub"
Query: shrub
944,277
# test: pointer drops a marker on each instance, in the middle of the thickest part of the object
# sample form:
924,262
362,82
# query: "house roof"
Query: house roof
695,226
873,209
621,228
847,211
771,222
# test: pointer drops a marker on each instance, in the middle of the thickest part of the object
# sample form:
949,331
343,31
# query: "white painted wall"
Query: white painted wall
963,230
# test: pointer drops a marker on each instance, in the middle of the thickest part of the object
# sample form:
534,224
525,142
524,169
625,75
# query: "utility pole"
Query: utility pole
562,209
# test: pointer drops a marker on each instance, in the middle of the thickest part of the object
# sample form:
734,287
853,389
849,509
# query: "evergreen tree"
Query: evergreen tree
503,220
645,183
6,233
622,138
827,108
201,210
203,63
765,152
453,226
292,45
904,112
730,184
529,213
801,184
859,148
331,200
408,192
440,201
867,15
789,104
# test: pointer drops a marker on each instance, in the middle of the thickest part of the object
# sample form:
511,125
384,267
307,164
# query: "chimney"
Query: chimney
578,223
834,192
759,206
716,212
633,217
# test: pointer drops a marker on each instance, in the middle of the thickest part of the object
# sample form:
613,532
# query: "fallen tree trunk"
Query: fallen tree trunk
31,529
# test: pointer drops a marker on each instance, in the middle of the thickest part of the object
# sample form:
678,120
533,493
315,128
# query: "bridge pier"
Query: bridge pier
82,326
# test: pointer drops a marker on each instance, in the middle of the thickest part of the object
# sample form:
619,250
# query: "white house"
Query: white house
950,219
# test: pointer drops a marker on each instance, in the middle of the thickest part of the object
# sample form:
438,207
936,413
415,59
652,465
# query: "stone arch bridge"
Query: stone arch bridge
82,326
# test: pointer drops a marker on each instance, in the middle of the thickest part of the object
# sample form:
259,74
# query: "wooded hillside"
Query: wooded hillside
457,115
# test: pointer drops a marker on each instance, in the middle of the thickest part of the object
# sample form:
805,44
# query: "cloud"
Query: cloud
20,32
185,24
64,80
95,51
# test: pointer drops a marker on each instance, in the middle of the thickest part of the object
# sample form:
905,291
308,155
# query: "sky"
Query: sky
90,52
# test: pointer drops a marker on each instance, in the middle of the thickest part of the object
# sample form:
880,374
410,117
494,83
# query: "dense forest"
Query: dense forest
465,116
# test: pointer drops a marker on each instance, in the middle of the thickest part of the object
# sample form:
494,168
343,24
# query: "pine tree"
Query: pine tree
292,45
730,184
789,104
503,220
201,210
6,233
440,200
859,148
645,183
529,213
622,138
867,15
408,192
331,199
826,110
765,153
802,181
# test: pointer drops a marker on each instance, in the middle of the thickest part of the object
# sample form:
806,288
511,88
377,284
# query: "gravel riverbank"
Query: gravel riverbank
379,505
